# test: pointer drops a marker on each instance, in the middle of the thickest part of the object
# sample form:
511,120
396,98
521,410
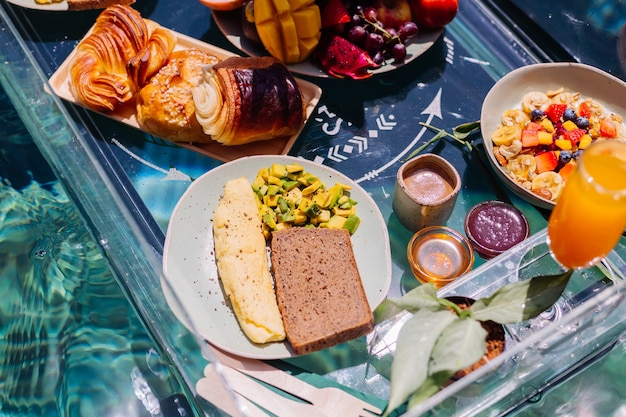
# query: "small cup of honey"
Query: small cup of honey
426,191
439,254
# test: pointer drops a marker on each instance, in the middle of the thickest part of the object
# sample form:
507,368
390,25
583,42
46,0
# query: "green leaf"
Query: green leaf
416,339
440,134
420,297
431,385
460,345
387,309
522,300
462,131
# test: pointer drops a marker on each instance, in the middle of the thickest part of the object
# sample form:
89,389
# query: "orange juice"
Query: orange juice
590,215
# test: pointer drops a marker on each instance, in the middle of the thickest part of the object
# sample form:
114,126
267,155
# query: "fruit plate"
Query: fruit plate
507,93
229,23
191,284
59,82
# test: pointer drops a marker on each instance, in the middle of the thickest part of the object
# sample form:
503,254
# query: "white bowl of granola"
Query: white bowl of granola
537,119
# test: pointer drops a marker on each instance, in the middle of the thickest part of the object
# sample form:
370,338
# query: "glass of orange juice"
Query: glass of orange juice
590,215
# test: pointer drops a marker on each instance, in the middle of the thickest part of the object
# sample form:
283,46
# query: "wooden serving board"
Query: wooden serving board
59,82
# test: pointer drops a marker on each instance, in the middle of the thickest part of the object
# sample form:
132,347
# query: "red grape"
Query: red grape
356,34
373,42
370,14
399,53
407,31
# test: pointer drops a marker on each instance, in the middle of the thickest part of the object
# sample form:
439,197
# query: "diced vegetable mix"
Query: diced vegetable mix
538,145
287,196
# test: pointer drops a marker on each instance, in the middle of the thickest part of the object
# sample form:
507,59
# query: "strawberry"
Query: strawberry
555,111
546,161
583,110
608,128
334,13
574,135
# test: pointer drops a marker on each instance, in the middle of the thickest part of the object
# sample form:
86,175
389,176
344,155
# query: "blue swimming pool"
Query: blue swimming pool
70,342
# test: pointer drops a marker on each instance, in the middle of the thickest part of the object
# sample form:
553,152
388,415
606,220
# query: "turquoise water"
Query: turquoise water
70,343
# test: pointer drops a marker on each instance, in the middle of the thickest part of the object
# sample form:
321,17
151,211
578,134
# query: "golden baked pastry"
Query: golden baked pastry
242,263
98,75
165,105
149,60
242,100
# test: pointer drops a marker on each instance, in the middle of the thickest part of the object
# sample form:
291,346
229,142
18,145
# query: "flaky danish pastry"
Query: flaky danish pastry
149,60
165,105
98,74
242,100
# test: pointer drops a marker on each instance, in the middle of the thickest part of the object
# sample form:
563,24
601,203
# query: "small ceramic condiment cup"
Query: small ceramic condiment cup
439,254
494,226
426,190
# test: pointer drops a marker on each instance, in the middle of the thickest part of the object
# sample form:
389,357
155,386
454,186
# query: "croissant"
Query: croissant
99,77
242,100
152,56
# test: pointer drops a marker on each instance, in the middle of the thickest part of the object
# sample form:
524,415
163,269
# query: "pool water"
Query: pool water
70,342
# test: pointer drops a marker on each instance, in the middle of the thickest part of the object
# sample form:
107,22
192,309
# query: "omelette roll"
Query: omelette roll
242,264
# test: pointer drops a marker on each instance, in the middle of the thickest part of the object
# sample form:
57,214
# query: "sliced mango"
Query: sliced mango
288,29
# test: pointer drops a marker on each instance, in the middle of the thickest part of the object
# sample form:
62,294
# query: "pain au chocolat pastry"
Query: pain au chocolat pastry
165,106
242,100
98,73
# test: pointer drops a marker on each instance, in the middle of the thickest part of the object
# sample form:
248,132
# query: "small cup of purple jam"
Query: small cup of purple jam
494,226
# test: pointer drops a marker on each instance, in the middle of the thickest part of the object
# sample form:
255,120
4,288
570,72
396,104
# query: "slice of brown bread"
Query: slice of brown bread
318,287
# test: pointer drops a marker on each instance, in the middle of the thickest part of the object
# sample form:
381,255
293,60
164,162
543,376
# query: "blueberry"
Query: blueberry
577,154
536,115
570,114
565,156
582,122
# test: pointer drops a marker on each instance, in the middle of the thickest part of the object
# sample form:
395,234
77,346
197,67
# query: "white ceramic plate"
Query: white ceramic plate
195,294
507,93
32,4
230,25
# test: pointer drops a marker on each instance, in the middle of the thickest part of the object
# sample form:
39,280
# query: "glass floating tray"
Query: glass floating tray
584,324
